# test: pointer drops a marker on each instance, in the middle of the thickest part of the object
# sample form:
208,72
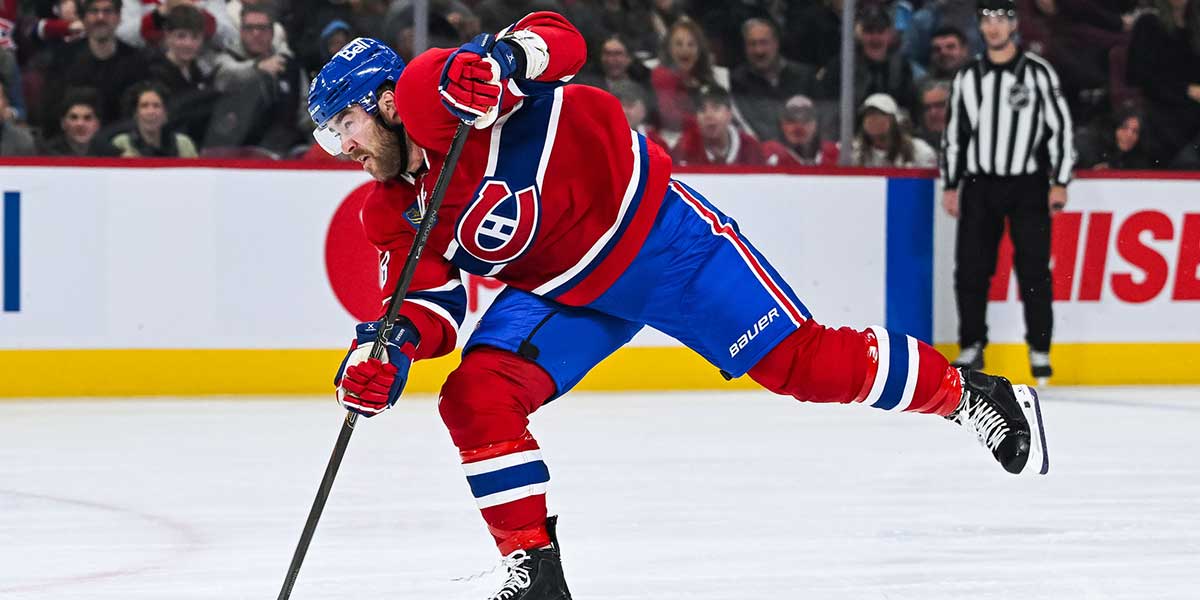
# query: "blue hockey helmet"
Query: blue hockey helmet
350,77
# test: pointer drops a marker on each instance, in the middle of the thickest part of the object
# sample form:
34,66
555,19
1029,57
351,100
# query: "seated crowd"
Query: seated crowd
754,83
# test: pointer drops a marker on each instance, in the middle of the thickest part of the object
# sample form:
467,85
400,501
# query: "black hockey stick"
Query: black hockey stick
377,348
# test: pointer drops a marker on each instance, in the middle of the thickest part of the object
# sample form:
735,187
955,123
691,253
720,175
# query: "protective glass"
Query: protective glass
344,126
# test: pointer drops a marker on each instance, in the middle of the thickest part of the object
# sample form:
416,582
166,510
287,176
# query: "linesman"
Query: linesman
1007,155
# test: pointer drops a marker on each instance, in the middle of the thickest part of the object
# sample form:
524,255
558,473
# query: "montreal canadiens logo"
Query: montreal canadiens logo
499,226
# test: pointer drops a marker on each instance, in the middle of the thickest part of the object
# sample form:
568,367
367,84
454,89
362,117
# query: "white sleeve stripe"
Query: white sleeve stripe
502,462
626,200
436,309
449,286
494,149
881,373
451,250
910,384
551,134
511,495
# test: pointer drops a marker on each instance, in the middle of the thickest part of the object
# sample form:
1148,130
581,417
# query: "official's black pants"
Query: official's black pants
985,202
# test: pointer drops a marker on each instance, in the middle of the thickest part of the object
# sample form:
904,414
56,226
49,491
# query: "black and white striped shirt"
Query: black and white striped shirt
1008,119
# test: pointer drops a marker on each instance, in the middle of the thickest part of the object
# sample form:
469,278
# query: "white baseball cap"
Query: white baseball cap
882,103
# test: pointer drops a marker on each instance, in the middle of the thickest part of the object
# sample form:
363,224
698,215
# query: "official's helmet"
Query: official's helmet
1007,8
350,77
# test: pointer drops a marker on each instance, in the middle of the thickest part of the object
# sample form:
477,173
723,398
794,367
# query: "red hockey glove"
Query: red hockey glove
369,386
472,83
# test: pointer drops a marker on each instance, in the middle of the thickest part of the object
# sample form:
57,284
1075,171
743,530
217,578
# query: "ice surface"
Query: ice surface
692,495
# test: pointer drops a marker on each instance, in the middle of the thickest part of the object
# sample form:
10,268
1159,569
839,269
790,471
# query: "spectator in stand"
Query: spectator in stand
10,78
686,66
663,14
632,20
800,142
1164,61
616,63
766,80
1119,146
1082,34
80,121
59,23
935,15
177,67
370,17
55,23
261,90
1034,26
305,24
882,142
495,15
935,104
712,139
812,31
143,22
948,52
9,17
722,22
401,34
234,8
15,139
99,61
880,68
633,100
150,137
334,37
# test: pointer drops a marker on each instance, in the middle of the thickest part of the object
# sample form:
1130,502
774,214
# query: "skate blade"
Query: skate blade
1027,397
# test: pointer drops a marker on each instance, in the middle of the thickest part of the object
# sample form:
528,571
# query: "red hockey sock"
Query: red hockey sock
885,370
485,404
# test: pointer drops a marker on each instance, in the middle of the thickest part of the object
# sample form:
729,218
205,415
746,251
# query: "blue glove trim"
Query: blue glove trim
484,44
402,333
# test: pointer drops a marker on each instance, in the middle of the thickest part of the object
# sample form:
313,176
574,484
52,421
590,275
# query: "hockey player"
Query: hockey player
555,196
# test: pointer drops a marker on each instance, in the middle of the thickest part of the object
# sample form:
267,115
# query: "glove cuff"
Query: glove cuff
530,51
405,336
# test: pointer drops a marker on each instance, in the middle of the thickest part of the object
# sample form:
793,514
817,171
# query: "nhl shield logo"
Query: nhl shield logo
1018,96
499,226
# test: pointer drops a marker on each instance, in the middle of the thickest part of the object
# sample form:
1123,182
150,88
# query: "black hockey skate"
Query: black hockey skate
1007,419
535,574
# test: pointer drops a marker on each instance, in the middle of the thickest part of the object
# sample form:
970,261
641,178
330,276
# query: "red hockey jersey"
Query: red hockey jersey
555,198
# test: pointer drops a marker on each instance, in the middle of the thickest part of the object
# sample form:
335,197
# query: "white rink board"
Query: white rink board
1156,313
234,258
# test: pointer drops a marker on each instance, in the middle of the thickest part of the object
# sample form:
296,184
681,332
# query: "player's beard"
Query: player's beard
389,158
